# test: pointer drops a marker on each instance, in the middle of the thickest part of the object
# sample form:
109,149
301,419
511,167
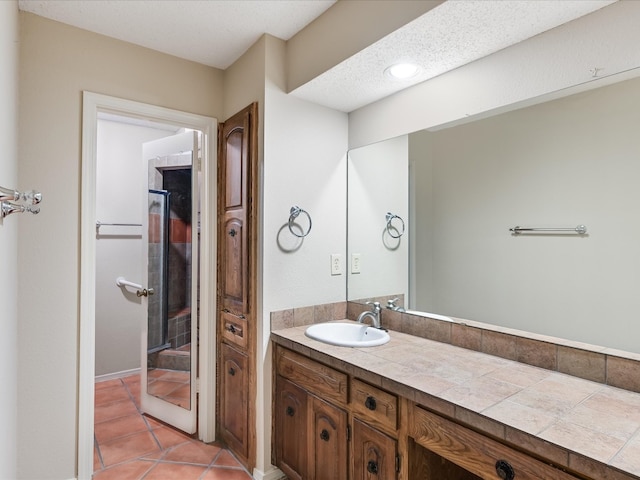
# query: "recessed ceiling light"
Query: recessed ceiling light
403,70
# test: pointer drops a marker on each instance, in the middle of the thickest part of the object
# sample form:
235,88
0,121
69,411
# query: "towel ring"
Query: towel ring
293,214
390,217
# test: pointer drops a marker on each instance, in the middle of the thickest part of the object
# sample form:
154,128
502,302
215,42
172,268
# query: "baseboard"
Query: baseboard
274,474
113,376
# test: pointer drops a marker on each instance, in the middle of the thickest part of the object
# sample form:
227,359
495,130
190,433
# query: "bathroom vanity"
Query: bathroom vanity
389,412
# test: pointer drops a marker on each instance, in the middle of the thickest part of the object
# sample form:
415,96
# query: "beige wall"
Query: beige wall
57,63
9,237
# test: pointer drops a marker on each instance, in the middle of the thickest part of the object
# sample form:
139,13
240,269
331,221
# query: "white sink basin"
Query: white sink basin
347,334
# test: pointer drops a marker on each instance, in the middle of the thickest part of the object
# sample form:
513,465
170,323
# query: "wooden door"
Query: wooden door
291,429
327,441
237,281
234,394
374,453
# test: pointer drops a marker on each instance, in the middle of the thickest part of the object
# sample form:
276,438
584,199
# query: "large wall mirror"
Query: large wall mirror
559,164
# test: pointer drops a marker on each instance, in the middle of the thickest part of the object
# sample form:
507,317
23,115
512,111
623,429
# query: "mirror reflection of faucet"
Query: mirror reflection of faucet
373,314
391,305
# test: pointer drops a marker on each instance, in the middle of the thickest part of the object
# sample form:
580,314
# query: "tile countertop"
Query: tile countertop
588,427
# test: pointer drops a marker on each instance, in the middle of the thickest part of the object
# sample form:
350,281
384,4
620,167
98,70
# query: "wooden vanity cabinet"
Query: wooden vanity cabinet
330,425
311,423
318,430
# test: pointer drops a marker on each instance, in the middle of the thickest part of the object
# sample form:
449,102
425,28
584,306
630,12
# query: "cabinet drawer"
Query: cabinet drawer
314,377
377,406
476,453
234,328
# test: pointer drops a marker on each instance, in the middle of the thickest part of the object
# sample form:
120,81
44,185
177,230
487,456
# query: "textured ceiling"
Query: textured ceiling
453,34
211,32
218,32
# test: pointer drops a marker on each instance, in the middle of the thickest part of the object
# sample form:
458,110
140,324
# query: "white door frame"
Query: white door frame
92,104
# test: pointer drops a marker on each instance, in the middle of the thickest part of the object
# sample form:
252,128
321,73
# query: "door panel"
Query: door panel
234,398
170,273
328,445
235,163
291,429
374,453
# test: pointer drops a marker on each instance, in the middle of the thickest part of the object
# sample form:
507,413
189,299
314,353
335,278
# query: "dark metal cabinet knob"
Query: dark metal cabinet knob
324,435
370,403
290,411
372,467
232,232
504,470
232,371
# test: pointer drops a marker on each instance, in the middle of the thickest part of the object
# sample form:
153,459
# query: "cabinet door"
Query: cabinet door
235,197
291,429
234,385
374,453
327,441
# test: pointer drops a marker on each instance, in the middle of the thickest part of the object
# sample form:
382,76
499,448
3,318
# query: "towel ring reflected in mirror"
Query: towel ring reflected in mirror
293,214
393,230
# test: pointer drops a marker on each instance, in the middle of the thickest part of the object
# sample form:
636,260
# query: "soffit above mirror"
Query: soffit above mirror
446,37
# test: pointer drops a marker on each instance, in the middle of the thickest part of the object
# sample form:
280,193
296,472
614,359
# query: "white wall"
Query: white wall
550,62
9,238
378,184
119,249
302,154
559,164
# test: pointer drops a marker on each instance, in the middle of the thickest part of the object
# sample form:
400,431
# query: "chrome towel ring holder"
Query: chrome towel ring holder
392,230
293,214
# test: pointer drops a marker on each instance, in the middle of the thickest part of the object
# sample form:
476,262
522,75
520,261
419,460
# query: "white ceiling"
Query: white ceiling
211,32
218,32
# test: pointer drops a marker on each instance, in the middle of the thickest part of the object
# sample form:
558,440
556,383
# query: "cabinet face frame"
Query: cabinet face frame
474,452
237,220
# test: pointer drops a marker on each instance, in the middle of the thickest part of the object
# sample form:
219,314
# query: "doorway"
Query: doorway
93,106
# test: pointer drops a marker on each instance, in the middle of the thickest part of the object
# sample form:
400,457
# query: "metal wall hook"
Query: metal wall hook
293,214
392,228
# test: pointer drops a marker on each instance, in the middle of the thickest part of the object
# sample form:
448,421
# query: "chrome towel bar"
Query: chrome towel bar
580,230
102,224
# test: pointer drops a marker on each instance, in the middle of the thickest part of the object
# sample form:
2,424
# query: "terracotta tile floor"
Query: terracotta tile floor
132,446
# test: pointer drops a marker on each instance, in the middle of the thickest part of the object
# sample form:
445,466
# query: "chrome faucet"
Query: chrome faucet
391,305
374,314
